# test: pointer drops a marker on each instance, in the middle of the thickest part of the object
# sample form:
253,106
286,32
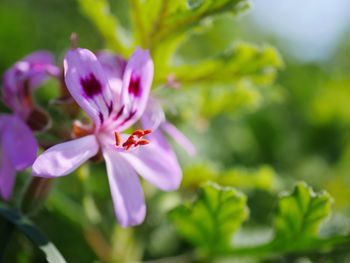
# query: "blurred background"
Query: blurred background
297,128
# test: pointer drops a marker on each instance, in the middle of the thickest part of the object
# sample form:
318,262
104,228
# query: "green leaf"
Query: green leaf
24,225
155,20
243,61
146,17
215,100
162,25
297,225
300,213
98,11
236,81
212,219
162,56
181,15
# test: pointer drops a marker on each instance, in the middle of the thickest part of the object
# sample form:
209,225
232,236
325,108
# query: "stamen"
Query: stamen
138,133
142,142
130,141
134,140
117,138
128,147
145,132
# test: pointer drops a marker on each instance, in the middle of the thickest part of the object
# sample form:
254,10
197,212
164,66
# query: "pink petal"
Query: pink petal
35,65
19,142
41,65
137,82
153,115
114,66
179,137
39,57
157,166
127,194
7,175
154,118
64,158
158,137
88,85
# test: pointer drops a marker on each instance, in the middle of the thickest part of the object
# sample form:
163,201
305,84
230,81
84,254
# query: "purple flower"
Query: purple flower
18,149
153,117
18,146
125,155
23,77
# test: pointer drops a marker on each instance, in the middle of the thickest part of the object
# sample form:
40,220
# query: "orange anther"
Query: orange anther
117,138
131,139
145,132
138,133
143,142
128,143
135,139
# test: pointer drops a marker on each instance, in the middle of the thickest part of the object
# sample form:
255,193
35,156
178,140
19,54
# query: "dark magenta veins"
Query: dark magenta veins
135,86
91,85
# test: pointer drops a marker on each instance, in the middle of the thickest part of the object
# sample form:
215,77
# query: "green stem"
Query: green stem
6,235
33,199
274,248
35,195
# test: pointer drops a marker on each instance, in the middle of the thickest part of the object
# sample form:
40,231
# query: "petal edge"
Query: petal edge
64,158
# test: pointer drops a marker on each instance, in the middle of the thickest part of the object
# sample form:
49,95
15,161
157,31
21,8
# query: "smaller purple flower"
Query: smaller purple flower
18,146
25,76
113,111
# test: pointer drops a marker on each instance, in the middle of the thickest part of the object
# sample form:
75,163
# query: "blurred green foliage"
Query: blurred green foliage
211,221
300,213
264,177
259,124
218,212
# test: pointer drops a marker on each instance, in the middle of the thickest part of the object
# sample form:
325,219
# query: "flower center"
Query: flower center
134,140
